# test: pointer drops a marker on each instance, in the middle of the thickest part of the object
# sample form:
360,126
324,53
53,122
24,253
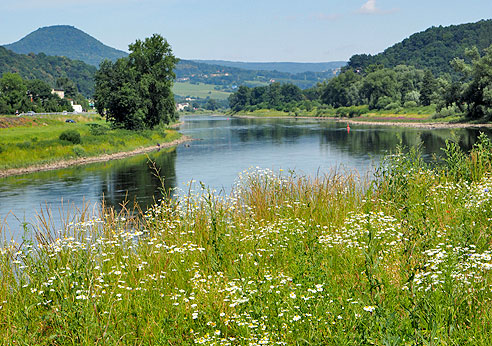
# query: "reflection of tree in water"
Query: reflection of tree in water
367,140
277,131
133,180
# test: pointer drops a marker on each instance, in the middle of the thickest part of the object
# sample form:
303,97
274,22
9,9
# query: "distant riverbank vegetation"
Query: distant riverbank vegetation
284,260
378,89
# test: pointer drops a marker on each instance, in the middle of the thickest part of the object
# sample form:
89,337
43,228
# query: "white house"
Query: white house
76,108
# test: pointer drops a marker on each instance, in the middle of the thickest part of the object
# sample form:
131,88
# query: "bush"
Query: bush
410,104
97,130
383,101
79,150
392,105
24,145
71,136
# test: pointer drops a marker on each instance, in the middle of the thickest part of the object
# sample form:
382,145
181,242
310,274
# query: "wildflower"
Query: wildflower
292,295
296,318
369,308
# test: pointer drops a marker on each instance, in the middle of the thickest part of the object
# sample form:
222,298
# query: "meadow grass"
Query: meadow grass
403,259
200,90
39,143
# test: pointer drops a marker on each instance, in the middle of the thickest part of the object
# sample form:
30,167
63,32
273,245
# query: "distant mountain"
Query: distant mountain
431,49
49,69
228,78
50,50
65,40
289,67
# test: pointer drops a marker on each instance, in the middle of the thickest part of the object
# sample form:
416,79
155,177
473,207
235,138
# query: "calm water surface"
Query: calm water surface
224,147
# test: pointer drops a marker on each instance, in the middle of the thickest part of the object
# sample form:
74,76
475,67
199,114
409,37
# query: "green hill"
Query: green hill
431,49
228,77
65,40
48,69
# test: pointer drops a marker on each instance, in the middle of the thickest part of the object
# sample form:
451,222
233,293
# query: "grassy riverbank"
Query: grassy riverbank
36,140
362,113
404,260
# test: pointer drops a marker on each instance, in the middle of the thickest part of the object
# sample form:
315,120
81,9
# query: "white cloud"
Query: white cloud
369,7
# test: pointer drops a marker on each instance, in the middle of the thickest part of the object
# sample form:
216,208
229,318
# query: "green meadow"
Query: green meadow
199,90
39,140
401,259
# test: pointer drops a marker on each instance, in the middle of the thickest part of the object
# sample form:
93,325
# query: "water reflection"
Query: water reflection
225,147
116,182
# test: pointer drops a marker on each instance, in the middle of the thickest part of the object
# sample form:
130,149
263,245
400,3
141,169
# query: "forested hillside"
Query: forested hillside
196,72
66,40
431,49
49,69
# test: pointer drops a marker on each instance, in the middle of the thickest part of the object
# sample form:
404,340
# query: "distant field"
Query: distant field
199,90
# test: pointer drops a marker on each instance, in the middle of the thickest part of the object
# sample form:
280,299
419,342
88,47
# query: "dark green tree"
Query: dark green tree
240,99
13,92
429,86
135,92
154,63
343,90
474,93
68,87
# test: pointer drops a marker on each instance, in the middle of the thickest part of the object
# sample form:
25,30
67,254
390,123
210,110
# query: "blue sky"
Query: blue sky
245,30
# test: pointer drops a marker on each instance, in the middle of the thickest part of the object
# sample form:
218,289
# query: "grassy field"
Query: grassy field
36,140
199,90
284,260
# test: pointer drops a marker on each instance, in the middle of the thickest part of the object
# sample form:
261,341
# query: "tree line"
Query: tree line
282,97
21,95
382,88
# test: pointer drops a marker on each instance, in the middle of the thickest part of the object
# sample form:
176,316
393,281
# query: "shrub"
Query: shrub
97,130
71,136
392,105
79,150
410,104
24,145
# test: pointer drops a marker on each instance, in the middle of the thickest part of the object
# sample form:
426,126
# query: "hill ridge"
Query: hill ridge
68,41
432,48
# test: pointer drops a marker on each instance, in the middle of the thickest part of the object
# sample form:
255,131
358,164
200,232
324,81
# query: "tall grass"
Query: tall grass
283,260
35,145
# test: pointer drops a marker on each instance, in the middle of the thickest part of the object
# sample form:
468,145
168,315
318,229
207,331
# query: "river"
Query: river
224,147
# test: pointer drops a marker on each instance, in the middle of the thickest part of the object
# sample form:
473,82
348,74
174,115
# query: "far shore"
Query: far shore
352,121
92,159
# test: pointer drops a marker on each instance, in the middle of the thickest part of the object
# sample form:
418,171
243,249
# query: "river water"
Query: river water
224,147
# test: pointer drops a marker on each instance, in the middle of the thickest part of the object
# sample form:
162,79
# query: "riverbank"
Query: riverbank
94,159
285,260
31,144
399,120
